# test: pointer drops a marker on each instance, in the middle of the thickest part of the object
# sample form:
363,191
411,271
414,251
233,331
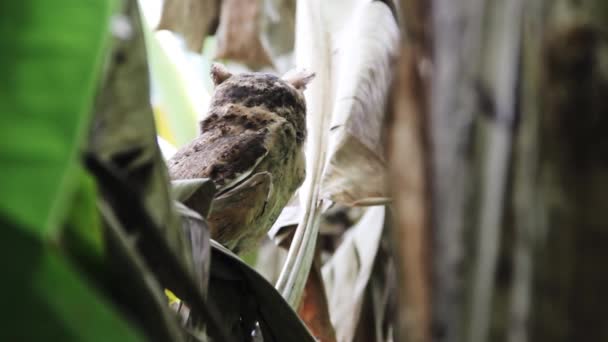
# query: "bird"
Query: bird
250,144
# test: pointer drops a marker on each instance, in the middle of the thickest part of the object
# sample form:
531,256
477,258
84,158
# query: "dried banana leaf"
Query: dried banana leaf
347,273
355,172
321,28
365,36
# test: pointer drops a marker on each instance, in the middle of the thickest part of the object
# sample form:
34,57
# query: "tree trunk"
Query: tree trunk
569,303
516,124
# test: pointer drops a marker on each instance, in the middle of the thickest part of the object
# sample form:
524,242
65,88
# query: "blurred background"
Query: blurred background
456,172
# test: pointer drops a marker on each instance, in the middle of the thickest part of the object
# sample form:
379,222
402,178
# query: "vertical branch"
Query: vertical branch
525,179
448,128
407,157
407,153
457,28
496,170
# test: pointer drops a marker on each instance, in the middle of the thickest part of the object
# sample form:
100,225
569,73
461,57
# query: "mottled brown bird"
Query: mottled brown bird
250,145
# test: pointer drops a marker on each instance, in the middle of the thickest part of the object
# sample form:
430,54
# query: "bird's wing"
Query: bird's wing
243,203
238,177
226,159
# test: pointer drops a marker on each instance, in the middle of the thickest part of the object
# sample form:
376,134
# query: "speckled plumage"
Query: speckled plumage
250,145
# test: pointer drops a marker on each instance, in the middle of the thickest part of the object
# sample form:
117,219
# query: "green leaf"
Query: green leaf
51,58
50,61
46,300
81,236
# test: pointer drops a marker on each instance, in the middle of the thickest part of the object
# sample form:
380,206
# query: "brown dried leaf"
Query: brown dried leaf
239,31
193,19
314,309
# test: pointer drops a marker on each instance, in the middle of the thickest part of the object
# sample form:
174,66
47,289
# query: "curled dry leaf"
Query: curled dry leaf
350,99
355,173
193,19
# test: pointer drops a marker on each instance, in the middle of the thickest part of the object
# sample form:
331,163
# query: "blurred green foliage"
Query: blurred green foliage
50,59
51,54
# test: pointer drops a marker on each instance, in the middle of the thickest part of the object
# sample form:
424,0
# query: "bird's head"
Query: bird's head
281,95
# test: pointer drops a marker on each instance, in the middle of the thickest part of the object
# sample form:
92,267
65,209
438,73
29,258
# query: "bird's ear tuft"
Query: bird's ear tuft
298,78
219,73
